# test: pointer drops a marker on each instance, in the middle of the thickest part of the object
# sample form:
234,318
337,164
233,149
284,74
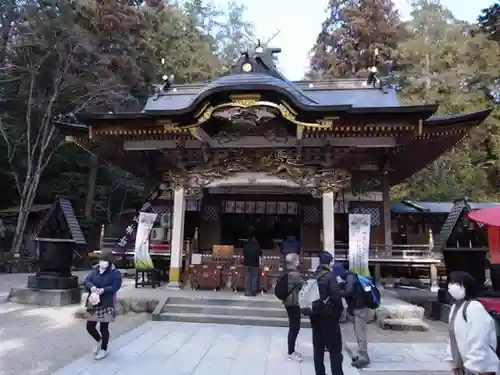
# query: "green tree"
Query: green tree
355,36
66,57
73,56
184,51
235,35
448,62
489,21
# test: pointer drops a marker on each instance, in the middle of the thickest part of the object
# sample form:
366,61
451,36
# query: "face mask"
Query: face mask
103,265
457,291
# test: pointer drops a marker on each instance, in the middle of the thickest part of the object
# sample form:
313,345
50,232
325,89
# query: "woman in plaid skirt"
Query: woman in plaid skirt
102,284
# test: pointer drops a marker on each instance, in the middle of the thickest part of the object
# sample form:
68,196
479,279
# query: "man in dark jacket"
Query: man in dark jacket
357,308
251,260
325,325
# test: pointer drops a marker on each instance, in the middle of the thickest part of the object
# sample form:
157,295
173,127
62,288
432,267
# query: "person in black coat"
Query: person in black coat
251,260
325,326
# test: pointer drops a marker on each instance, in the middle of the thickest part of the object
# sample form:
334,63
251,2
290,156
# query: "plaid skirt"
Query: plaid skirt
101,314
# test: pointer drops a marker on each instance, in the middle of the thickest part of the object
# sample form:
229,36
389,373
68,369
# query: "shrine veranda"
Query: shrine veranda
252,150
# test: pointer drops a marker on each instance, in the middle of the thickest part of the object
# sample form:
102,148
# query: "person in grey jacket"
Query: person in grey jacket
291,303
357,308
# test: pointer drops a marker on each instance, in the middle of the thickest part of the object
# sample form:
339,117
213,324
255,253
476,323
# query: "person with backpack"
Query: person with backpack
472,348
320,299
358,308
287,290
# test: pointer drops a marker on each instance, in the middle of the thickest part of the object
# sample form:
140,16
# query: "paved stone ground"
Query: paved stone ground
209,349
39,341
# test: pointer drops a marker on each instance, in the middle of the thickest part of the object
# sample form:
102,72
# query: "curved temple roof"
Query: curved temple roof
342,113
256,72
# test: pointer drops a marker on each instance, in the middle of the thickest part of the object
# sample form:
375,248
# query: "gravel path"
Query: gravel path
40,340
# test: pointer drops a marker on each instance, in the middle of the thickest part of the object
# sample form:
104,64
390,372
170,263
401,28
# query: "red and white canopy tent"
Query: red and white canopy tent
491,218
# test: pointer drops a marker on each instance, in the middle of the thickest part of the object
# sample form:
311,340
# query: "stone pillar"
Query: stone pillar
177,242
386,199
329,222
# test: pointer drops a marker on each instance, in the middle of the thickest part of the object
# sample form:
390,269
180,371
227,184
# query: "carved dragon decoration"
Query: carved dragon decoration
279,163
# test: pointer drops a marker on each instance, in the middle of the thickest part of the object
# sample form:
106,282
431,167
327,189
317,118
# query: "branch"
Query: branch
49,155
11,151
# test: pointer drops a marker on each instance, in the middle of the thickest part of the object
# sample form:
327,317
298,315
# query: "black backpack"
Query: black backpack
281,288
494,316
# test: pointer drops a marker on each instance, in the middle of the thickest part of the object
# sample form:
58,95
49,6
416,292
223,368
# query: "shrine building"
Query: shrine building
253,154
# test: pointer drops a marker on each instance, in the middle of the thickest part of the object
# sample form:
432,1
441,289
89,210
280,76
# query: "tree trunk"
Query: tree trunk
89,201
9,16
30,188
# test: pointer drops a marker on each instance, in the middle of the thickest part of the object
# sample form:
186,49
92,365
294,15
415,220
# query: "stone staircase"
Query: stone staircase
239,310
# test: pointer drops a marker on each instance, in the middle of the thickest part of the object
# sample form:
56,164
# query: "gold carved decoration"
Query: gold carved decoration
279,163
253,100
245,100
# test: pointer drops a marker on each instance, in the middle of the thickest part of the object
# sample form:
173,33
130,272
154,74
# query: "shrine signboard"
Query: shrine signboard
142,259
261,207
359,243
126,241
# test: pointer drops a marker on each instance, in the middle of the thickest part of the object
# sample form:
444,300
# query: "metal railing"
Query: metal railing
394,253
378,252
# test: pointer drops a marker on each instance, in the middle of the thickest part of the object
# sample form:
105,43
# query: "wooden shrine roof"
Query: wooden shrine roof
60,223
363,123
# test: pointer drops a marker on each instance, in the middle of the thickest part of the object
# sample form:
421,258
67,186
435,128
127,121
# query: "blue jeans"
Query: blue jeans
251,280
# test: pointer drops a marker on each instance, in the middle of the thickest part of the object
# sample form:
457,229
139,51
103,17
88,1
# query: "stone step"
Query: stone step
240,301
408,324
228,319
275,312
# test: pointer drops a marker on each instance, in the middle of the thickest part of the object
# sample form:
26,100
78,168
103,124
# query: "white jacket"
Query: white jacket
476,338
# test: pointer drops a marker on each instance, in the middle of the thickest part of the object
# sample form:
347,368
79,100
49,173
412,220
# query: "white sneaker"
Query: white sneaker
295,357
100,355
97,348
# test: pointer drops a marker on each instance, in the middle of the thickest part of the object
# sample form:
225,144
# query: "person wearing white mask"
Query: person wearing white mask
102,284
473,341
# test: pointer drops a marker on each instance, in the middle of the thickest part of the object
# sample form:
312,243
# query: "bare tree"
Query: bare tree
59,62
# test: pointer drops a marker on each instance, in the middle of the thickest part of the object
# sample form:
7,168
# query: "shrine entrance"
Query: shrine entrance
269,230
235,209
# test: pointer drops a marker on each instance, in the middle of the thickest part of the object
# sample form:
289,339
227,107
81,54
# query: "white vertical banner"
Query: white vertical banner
142,259
359,243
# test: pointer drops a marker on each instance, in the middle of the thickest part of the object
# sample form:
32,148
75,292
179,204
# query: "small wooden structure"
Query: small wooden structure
59,235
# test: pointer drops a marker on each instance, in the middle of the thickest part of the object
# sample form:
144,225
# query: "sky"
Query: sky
299,25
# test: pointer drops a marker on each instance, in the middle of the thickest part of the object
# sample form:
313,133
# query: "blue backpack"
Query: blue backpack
371,294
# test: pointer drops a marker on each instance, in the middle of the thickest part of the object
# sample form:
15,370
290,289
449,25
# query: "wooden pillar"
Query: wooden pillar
89,199
177,243
386,199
